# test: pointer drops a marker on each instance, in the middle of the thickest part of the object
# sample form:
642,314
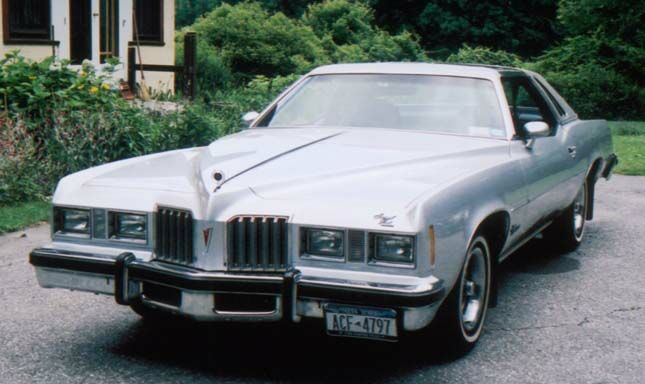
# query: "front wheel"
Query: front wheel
462,315
567,230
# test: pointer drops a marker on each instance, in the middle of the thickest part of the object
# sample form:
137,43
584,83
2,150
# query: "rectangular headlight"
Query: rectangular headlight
72,221
323,242
391,248
127,226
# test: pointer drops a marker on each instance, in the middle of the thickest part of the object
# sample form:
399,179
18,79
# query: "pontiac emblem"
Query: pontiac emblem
385,221
207,235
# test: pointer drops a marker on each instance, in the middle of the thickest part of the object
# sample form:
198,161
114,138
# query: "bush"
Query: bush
20,178
599,76
483,55
238,42
58,121
349,34
594,91
254,42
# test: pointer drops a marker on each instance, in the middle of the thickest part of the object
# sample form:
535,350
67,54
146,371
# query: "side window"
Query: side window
555,102
526,104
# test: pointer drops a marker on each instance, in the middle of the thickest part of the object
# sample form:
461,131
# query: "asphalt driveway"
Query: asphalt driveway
574,318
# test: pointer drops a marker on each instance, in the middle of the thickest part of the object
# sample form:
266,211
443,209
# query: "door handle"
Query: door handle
572,151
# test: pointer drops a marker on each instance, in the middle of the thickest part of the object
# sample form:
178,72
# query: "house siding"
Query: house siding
35,52
161,81
161,55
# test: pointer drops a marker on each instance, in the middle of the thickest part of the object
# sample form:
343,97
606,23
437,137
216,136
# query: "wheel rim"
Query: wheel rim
474,291
579,213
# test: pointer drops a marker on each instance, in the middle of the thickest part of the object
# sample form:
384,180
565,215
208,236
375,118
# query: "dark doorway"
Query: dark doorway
80,30
109,29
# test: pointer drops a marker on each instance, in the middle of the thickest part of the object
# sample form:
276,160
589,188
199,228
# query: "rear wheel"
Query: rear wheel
462,315
567,231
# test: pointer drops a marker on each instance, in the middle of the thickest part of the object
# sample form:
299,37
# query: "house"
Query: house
94,30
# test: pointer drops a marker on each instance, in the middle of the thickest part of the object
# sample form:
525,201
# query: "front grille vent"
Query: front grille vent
174,236
356,246
257,243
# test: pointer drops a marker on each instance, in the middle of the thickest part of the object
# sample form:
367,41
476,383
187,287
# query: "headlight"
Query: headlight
72,221
323,242
391,248
127,226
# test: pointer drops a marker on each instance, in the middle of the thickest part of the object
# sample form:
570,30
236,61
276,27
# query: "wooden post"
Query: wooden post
190,61
132,70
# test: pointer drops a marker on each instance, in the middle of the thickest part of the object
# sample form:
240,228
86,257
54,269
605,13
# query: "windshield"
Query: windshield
458,105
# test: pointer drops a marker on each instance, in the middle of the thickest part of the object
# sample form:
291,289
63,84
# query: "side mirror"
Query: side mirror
249,117
535,129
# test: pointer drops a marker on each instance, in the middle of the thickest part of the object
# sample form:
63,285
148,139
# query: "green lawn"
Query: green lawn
23,215
629,144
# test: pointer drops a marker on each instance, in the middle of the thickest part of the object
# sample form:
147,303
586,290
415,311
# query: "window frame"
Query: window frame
558,108
546,110
41,40
262,121
156,42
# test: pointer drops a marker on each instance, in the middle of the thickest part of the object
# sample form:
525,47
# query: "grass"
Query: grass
629,144
16,217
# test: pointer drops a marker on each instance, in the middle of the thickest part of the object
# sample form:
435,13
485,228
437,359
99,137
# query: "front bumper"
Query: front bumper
194,293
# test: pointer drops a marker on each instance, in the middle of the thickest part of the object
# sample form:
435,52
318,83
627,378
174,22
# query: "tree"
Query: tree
187,11
599,65
251,41
349,34
525,27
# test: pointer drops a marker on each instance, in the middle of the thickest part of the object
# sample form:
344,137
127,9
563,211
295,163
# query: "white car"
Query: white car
374,197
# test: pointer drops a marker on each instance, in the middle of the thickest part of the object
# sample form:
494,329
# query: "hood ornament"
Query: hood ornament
219,177
385,221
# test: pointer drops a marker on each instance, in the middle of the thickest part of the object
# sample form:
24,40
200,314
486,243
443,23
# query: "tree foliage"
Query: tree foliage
599,66
255,42
483,55
241,41
525,27
349,34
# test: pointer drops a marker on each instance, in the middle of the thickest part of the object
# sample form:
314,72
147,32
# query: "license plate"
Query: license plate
370,323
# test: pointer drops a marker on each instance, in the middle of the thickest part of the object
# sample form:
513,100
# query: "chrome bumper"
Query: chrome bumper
296,294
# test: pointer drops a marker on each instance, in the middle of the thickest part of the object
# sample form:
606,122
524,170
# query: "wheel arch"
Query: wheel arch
495,228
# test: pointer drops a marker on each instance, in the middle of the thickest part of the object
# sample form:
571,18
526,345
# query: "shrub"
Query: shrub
483,55
255,42
599,76
599,92
20,177
349,34
58,121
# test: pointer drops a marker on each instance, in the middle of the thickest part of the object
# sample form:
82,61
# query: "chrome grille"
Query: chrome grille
356,246
257,243
174,240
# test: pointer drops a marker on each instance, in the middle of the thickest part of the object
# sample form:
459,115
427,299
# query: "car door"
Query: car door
547,162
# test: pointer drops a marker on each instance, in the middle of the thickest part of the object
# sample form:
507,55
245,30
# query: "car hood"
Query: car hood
299,165
343,164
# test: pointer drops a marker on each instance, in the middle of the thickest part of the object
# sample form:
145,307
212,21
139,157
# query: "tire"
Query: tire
567,231
461,318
